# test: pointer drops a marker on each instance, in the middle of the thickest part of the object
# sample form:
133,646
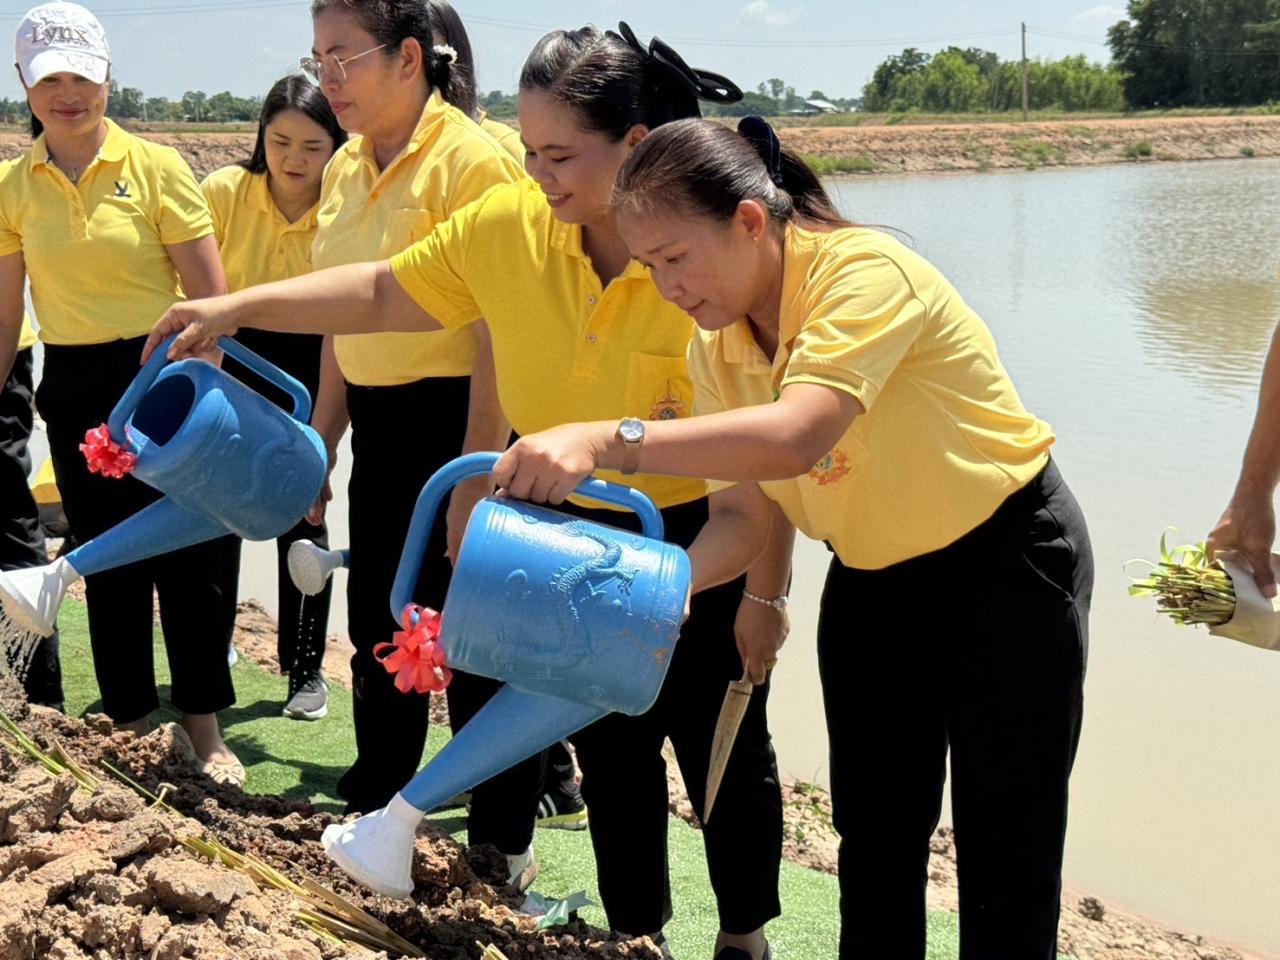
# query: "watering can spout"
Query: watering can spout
310,566
377,849
30,597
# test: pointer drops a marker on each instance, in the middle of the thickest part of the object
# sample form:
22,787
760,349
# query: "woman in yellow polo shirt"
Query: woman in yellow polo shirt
21,537
580,331
411,399
110,228
843,373
264,216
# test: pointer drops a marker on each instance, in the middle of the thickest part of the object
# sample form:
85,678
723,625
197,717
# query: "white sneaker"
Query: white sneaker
521,869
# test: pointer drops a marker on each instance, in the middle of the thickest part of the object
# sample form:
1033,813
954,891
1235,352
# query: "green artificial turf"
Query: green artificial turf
304,760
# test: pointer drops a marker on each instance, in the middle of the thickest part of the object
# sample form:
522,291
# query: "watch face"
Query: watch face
631,430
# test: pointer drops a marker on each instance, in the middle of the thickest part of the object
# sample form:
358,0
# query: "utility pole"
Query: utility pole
1024,71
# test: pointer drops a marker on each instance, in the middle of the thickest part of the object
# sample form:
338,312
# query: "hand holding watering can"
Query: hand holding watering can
227,459
579,618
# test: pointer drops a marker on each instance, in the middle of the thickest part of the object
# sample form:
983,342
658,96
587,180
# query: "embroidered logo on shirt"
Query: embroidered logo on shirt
668,407
830,469
122,189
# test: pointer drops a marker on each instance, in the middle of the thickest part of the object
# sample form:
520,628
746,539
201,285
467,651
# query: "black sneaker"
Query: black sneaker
309,699
562,808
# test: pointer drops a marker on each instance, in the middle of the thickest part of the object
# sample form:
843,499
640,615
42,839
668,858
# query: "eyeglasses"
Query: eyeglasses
328,67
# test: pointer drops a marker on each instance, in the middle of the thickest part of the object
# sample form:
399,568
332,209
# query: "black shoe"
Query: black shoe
737,953
308,698
562,808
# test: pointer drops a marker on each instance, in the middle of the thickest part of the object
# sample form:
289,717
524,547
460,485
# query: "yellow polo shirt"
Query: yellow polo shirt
565,348
95,251
506,136
367,214
256,242
944,439
27,335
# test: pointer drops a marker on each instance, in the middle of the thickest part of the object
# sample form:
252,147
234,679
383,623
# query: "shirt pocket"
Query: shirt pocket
658,387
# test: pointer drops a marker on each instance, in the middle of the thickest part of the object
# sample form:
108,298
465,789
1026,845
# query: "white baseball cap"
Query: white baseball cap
61,38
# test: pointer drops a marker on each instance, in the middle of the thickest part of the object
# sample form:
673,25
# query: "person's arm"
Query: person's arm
12,276
1248,525
759,628
330,419
487,429
199,267
356,298
774,441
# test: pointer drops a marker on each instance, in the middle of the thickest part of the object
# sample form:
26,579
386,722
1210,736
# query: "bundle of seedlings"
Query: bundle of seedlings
1195,588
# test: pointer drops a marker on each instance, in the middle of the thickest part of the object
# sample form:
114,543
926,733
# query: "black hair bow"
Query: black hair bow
757,132
701,84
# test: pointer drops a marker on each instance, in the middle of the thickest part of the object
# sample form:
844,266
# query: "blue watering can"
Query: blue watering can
578,618
227,459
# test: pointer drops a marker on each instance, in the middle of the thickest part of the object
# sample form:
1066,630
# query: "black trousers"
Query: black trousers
624,775
302,621
21,539
979,649
400,436
79,387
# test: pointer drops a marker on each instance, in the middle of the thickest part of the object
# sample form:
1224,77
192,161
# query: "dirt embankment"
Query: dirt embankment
924,148
916,148
105,875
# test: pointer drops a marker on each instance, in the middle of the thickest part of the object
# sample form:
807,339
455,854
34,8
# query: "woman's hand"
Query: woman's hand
760,631
315,515
1249,526
198,323
545,467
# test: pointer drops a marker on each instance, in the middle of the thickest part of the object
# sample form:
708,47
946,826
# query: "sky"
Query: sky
166,47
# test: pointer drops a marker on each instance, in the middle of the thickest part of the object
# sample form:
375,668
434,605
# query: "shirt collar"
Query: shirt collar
567,238
798,249
114,148
258,197
426,131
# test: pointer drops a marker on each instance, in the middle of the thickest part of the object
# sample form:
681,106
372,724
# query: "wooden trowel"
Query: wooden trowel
736,700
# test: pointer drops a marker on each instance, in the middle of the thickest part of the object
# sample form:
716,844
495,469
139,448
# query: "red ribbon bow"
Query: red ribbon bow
415,655
105,456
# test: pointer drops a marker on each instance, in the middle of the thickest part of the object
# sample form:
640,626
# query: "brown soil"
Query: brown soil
920,148
205,152
915,148
104,875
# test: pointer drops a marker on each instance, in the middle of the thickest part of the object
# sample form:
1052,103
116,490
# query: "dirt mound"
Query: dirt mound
108,875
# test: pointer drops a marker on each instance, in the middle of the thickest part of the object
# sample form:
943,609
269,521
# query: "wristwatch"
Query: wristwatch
631,433
778,603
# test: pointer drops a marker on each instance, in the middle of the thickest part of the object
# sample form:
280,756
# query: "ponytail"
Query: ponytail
700,168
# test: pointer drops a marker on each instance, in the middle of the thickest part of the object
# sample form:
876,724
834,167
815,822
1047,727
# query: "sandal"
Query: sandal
223,771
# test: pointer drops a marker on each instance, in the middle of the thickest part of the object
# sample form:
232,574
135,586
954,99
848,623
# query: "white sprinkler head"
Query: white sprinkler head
377,849
310,566
30,598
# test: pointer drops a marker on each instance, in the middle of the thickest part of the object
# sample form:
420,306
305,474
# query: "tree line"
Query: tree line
1178,53
972,80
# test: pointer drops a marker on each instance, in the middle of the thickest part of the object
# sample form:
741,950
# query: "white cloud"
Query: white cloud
1098,18
760,11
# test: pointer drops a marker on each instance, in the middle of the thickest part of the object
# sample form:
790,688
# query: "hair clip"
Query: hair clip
703,84
757,132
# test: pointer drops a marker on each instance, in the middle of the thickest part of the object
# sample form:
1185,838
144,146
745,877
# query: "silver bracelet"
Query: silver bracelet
778,603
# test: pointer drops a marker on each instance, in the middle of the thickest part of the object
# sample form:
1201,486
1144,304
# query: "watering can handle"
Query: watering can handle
160,359
473,465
